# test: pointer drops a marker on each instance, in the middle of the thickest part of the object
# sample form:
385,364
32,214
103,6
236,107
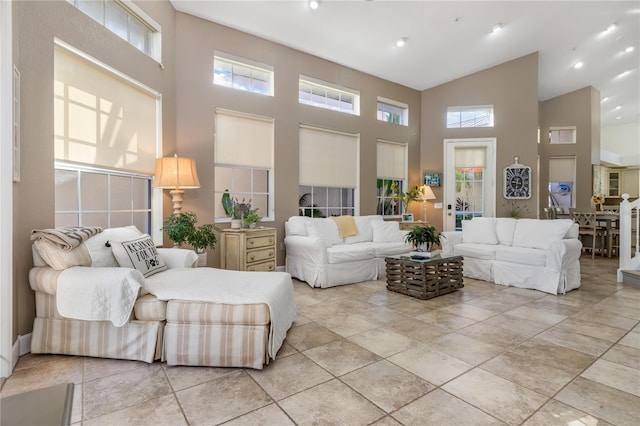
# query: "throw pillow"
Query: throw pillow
365,231
140,254
387,232
479,230
325,229
534,233
60,259
101,254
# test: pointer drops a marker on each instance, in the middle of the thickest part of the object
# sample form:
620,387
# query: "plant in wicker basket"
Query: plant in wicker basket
423,237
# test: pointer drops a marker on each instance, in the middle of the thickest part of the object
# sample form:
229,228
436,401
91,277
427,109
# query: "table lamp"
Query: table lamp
176,173
427,194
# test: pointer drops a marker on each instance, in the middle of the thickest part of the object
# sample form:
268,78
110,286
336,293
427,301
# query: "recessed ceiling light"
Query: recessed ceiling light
618,107
618,118
497,27
628,49
313,4
624,73
605,99
401,42
578,65
611,27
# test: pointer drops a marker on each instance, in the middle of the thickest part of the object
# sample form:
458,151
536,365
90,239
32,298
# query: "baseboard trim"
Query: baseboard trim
25,344
15,354
280,269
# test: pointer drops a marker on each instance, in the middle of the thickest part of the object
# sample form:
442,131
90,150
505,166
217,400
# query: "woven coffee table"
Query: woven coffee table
424,279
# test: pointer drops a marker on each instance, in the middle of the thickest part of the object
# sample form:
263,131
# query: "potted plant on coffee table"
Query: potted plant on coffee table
423,237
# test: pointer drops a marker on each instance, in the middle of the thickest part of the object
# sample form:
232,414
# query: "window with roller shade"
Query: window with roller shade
470,166
106,140
329,172
562,135
562,172
391,160
243,155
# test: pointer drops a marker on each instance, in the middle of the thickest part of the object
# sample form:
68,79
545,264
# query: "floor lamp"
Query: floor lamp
427,194
176,173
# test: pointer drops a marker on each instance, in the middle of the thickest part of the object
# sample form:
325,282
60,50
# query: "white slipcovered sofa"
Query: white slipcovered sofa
318,255
527,253
159,307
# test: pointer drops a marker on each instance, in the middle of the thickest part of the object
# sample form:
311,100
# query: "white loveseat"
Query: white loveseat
318,255
527,253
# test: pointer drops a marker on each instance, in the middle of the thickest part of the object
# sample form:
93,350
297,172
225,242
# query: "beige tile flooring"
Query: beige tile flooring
359,354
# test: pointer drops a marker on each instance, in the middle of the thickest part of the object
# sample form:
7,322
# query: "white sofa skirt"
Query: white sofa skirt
333,274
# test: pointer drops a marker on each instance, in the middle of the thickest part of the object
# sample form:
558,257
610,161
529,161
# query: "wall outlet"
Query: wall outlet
281,246
437,205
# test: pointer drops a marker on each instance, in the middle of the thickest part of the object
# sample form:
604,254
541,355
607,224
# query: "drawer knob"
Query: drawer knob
251,242
270,267
270,254
251,257
270,240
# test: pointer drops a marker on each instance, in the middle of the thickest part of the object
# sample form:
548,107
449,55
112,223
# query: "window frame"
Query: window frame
81,170
314,199
469,109
404,111
573,129
133,11
246,64
247,195
381,198
327,87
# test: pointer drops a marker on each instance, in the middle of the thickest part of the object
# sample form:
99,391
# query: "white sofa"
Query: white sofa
527,253
182,314
317,255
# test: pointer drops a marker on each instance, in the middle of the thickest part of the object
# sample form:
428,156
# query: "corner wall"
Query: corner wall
35,25
512,89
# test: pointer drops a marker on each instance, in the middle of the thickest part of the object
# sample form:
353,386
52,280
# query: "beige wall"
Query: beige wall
35,24
512,89
581,109
197,99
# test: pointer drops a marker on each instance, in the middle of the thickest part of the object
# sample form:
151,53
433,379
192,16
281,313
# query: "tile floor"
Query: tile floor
359,354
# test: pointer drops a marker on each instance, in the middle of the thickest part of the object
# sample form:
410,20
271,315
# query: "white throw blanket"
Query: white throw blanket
105,296
233,287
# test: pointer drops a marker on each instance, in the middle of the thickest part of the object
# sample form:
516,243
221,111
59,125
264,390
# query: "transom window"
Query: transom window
88,196
560,135
393,112
322,201
470,116
242,74
127,21
326,95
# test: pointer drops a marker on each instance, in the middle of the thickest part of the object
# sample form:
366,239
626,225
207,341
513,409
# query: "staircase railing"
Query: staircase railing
629,235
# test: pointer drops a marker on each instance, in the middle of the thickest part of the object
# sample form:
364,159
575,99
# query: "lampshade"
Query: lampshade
427,193
176,172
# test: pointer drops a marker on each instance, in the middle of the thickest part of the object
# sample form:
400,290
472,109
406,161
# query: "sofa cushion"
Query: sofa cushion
505,227
477,251
522,255
535,233
387,232
149,308
390,249
345,253
325,229
193,312
140,254
297,225
101,255
365,230
480,230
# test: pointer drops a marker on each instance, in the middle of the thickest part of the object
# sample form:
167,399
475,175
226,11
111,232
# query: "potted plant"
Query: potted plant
407,197
179,227
239,209
252,218
423,237
202,237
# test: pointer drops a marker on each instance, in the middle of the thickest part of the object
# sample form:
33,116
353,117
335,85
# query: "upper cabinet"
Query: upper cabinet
613,184
622,181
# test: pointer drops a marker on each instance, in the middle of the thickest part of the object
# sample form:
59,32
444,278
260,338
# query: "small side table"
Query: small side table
248,249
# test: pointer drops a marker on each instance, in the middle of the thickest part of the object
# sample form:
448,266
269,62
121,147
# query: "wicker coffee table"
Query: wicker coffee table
424,279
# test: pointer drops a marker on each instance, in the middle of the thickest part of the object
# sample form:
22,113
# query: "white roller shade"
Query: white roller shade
243,140
100,118
562,169
470,157
328,158
391,160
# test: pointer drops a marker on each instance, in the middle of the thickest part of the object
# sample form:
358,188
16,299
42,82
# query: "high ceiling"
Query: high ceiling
446,40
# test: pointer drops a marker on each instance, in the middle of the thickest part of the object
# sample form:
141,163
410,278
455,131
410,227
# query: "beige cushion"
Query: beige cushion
60,259
140,254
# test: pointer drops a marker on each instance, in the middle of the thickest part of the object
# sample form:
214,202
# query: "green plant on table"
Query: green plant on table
202,237
423,235
252,217
240,209
181,229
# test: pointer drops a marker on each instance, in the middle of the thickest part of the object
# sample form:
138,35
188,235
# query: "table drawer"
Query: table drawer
263,241
262,267
259,255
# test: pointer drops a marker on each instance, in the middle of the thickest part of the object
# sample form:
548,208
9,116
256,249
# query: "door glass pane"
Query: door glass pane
469,194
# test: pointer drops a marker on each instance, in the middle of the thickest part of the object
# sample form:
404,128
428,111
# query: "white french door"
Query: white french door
469,180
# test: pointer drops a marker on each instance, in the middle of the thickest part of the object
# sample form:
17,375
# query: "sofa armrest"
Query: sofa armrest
448,239
178,258
563,253
310,249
